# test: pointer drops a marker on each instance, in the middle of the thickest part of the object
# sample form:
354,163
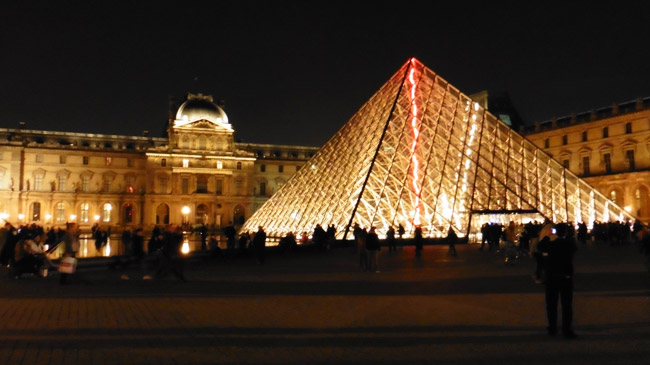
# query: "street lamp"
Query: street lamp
185,210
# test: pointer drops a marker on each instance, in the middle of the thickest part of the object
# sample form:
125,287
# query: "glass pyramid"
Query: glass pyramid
420,152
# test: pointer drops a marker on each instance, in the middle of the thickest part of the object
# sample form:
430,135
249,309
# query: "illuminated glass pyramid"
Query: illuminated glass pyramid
420,152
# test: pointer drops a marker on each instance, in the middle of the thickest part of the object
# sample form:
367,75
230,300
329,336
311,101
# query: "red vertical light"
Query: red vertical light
416,132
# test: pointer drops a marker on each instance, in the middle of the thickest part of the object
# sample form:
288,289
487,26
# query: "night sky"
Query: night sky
295,72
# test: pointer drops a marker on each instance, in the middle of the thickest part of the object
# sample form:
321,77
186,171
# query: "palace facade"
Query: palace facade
607,147
197,174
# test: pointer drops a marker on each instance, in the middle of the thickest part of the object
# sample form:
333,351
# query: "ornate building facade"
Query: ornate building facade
608,147
198,174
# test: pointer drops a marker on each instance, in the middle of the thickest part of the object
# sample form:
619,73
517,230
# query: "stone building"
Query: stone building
198,174
607,147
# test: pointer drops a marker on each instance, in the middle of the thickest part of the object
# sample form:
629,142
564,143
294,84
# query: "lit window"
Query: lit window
85,209
36,211
612,196
219,164
106,212
108,161
60,213
186,162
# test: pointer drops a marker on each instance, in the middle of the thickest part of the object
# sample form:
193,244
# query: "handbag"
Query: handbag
68,265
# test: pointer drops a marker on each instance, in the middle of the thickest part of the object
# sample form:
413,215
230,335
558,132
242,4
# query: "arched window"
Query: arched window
201,214
60,212
128,213
162,214
85,212
641,201
612,196
36,211
106,212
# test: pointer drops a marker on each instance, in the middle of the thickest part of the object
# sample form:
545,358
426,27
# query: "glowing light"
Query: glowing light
73,217
4,215
21,216
186,248
185,210
628,208
96,217
416,132
107,249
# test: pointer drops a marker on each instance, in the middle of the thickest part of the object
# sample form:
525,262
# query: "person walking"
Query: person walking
557,260
70,247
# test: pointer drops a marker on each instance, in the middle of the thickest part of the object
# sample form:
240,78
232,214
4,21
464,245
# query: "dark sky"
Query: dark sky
295,72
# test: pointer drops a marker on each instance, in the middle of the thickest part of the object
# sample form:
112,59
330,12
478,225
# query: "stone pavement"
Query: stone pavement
313,308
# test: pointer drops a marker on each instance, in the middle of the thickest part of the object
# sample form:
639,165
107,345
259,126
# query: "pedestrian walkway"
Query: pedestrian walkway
320,308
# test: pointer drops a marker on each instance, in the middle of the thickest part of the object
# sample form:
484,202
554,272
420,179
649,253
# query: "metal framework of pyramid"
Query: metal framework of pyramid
421,153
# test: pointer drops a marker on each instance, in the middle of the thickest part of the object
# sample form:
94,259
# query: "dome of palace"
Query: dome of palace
200,107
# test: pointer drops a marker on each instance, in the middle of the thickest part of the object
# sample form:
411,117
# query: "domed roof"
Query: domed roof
200,107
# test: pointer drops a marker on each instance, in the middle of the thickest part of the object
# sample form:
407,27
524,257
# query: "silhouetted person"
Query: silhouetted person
390,239
170,260
259,244
418,241
372,246
452,240
557,259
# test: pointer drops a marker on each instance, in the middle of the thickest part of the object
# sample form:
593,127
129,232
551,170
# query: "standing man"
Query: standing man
259,244
418,241
372,246
557,259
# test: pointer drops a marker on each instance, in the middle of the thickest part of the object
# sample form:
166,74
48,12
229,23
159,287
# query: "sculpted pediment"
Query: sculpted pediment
205,124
